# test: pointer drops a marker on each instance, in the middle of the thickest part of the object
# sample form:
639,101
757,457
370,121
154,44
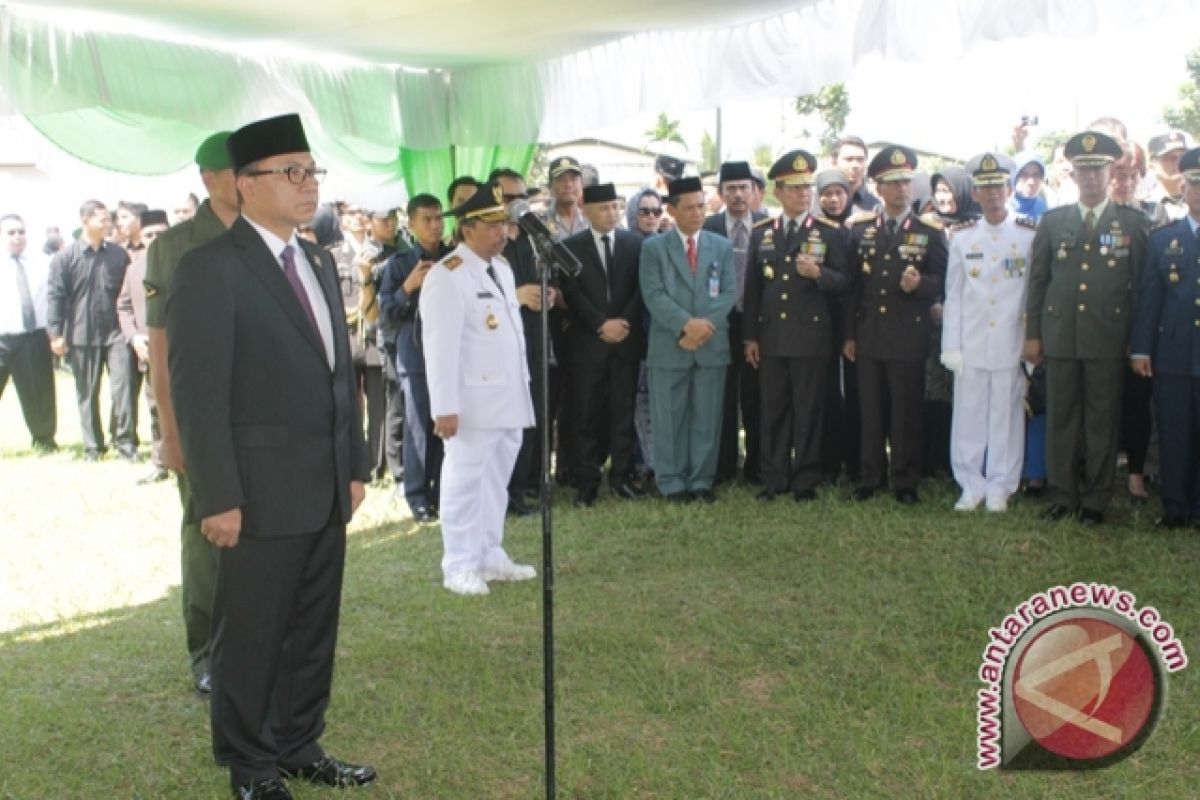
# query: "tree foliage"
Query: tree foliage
708,153
1184,115
831,105
665,130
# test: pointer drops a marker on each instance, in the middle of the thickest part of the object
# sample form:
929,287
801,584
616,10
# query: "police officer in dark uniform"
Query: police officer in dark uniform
1166,345
898,264
796,265
1086,259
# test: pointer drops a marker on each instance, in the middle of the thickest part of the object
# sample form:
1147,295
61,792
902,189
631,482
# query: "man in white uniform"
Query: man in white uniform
478,392
982,338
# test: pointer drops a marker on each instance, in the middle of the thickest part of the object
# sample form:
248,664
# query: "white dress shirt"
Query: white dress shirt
37,269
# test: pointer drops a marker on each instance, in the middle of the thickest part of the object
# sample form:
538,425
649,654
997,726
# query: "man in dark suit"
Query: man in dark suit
1166,346
263,387
736,185
795,270
1086,260
898,264
689,286
605,304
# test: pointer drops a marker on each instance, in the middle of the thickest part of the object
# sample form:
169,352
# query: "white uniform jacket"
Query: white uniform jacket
987,276
475,344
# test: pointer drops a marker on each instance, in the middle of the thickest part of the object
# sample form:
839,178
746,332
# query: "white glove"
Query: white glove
953,360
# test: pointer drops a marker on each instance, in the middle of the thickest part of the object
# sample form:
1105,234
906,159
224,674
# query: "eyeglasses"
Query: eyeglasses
650,212
17,232
295,175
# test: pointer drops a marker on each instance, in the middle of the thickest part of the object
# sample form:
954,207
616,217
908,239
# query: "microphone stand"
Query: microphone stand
545,497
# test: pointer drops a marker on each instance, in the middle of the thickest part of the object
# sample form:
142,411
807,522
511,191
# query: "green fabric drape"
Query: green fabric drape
430,171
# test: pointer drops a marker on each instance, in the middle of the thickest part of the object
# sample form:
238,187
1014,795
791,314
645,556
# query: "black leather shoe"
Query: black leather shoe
907,497
263,789
804,495
158,475
203,683
1090,517
864,493
706,496
331,772
629,491
678,498
1034,490
44,447
766,495
424,514
1055,512
585,498
517,508
1171,522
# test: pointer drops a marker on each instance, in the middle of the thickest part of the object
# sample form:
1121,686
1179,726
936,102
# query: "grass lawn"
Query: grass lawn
732,651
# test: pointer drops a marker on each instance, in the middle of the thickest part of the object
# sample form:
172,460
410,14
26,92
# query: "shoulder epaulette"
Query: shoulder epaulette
763,221
826,221
862,216
932,220
1026,222
452,263
962,226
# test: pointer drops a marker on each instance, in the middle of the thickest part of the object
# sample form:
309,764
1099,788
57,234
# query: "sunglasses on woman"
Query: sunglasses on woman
646,212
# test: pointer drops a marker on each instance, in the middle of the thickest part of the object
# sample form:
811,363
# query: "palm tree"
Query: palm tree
665,130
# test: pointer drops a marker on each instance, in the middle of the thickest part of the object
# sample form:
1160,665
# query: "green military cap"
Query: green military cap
212,154
486,205
894,162
1092,149
991,169
1189,165
794,168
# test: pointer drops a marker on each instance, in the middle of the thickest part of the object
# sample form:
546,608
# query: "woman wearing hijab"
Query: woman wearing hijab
1027,200
951,193
644,216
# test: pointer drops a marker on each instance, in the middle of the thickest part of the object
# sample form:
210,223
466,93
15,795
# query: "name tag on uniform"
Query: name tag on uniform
714,281
485,295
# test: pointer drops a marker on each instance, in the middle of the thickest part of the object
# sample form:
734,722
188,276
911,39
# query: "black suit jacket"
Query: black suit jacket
265,424
591,303
716,222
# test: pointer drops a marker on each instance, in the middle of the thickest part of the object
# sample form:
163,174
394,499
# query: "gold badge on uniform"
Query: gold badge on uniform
866,268
1173,277
974,272
768,273
492,322
1062,253
898,157
1089,143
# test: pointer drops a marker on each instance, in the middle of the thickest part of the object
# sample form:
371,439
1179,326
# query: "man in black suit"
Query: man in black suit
796,270
736,223
264,395
605,304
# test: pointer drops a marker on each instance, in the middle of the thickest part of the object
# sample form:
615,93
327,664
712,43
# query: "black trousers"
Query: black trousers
88,364
742,403
393,421
143,385
1136,420
891,394
1178,400
369,382
422,450
275,623
26,358
605,395
794,401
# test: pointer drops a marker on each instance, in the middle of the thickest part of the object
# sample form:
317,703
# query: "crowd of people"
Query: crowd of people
992,322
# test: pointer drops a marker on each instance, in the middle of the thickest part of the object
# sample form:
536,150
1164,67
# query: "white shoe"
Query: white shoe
468,582
512,572
967,503
997,505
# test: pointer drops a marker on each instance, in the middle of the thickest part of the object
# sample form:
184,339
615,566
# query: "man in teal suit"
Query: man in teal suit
689,285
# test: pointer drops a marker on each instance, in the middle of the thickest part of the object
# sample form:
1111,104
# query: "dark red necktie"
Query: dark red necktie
293,279
691,253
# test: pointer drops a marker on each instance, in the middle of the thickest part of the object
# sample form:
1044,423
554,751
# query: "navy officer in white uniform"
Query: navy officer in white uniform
987,278
478,393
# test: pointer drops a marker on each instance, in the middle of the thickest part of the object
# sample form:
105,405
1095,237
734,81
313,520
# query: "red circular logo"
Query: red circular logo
1084,688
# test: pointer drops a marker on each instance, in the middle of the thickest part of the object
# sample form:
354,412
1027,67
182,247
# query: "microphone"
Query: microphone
552,252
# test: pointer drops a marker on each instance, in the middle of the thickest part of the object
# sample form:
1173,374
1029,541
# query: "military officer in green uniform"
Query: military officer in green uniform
199,557
795,267
898,264
1086,260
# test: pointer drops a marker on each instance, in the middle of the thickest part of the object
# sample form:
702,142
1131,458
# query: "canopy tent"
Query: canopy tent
469,85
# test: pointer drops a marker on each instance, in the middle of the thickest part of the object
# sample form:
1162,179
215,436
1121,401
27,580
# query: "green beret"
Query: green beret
212,155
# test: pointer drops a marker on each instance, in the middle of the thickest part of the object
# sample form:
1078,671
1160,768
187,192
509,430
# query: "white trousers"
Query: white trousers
474,498
987,435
